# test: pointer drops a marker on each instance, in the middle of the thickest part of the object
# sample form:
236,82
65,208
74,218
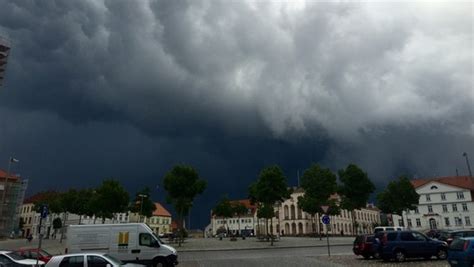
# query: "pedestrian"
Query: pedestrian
29,237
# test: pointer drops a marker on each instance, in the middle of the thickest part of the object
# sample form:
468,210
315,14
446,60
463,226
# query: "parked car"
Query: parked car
363,246
92,260
461,252
438,234
34,253
9,258
388,228
451,235
400,245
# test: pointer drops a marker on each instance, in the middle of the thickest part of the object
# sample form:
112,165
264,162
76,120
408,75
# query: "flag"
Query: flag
14,160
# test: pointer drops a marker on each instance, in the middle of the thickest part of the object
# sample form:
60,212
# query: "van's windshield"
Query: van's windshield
157,238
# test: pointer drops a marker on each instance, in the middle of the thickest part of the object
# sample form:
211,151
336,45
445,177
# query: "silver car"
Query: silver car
89,259
8,258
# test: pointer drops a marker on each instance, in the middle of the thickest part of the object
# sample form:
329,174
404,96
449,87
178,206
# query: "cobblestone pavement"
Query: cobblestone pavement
351,260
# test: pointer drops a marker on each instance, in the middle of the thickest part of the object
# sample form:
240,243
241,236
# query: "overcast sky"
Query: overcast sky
127,89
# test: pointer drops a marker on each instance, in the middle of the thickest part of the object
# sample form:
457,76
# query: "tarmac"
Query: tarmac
198,244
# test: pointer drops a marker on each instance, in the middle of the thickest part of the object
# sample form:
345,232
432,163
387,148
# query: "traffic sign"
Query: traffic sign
325,208
325,219
44,212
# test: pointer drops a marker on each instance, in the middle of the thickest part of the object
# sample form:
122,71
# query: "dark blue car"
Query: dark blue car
400,245
461,252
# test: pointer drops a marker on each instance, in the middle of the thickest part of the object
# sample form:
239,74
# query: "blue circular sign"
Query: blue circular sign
325,219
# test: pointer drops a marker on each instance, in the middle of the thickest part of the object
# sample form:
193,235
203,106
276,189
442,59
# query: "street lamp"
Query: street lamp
467,162
141,196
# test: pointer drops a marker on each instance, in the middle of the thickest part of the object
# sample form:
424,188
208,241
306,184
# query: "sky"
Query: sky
99,89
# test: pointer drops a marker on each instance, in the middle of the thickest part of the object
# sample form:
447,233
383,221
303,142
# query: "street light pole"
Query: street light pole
141,206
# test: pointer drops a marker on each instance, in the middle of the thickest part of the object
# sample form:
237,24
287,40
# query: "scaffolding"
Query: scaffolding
15,189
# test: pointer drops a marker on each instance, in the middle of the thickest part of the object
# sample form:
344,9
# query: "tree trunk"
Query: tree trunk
271,234
318,222
354,229
180,229
266,227
62,228
80,218
238,233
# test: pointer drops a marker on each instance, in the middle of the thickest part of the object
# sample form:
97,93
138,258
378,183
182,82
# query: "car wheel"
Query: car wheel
160,263
366,256
442,254
376,255
400,256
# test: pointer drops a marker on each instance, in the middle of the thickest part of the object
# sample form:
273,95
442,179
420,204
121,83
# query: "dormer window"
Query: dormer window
434,187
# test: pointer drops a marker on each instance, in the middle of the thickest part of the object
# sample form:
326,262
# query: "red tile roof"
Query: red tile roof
466,182
11,176
39,197
161,211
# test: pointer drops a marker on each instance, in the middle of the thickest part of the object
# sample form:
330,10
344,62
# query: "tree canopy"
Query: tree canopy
110,198
183,184
319,184
398,196
355,188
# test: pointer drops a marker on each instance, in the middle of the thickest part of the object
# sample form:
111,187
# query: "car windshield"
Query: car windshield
15,256
457,244
115,261
157,238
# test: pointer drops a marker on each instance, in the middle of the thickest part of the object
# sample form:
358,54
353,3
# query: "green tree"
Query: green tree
239,209
224,210
398,196
182,184
355,189
270,187
319,184
143,203
110,198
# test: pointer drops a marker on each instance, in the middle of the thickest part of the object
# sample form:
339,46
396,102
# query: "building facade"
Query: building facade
291,220
160,221
445,203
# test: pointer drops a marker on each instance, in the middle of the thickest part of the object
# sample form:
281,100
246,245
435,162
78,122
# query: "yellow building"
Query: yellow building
160,221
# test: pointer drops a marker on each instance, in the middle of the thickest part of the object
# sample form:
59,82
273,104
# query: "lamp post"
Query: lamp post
467,162
142,196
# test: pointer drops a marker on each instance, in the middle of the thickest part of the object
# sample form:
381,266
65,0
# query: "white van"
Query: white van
130,242
388,228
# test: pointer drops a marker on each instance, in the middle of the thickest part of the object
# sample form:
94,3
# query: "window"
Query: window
418,236
391,236
418,222
446,221
434,187
96,261
76,261
443,196
407,236
455,207
428,198
145,240
430,208
409,223
467,219
445,208
457,221
416,210
460,195
464,207
408,211
400,222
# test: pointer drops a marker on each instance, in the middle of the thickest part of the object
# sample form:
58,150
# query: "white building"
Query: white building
445,203
291,220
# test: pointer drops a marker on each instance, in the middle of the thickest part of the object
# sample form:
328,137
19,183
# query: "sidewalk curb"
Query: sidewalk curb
261,248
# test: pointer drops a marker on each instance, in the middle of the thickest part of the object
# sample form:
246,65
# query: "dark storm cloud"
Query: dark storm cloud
133,87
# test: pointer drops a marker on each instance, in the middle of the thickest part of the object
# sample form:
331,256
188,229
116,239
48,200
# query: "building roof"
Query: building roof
466,182
161,211
39,197
11,176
